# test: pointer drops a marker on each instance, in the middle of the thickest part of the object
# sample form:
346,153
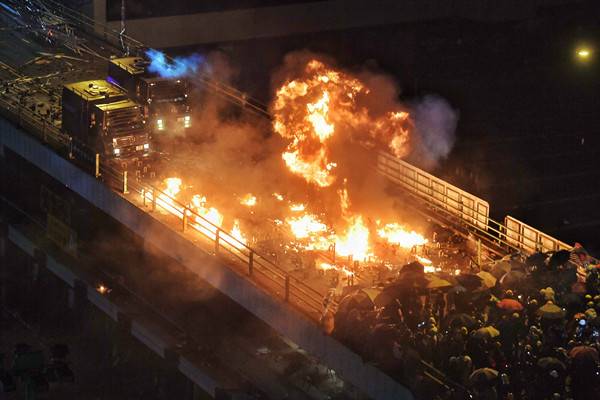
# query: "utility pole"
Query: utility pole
122,32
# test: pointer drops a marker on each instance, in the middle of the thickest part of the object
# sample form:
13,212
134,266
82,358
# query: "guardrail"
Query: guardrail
470,210
530,239
452,203
464,205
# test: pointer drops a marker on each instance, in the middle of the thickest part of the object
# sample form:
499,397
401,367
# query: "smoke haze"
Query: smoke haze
434,136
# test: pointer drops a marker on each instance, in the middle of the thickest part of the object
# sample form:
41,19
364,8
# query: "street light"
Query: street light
584,53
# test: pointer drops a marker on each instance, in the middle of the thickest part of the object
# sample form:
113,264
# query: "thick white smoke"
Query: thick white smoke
435,126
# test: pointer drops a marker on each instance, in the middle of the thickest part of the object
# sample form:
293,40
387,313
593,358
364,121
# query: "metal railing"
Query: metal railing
530,239
256,265
466,209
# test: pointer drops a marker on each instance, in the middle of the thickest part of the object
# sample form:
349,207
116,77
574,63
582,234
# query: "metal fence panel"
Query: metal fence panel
530,239
454,200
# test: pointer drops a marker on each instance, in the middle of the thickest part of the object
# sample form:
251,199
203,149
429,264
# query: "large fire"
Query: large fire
208,218
355,242
306,226
323,102
314,112
248,200
396,234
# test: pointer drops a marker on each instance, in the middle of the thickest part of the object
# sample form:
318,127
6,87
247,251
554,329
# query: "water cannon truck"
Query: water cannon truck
102,117
165,100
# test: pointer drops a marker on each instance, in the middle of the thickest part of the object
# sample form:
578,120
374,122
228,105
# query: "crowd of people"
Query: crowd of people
520,328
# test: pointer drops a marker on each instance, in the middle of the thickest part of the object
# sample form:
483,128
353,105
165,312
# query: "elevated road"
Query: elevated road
29,101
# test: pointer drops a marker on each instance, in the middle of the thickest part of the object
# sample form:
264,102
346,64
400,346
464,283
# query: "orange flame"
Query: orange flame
248,200
210,214
355,242
305,226
236,232
309,110
396,234
297,207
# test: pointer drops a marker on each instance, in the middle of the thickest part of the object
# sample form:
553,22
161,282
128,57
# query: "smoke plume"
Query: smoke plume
179,67
434,135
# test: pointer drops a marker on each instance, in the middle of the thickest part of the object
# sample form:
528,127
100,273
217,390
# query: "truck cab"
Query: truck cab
165,100
102,117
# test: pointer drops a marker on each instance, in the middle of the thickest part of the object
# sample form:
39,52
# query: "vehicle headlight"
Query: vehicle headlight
187,121
160,124
117,152
146,146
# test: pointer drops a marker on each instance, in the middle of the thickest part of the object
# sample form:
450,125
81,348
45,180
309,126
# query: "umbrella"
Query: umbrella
447,277
536,259
509,305
500,268
469,281
488,279
584,357
386,297
357,300
372,293
550,363
551,311
559,258
458,320
404,282
579,315
437,283
584,352
458,289
512,278
487,332
483,376
414,267
410,281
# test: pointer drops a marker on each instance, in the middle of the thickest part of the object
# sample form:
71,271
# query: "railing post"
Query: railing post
97,169
479,252
144,197
287,288
125,191
217,235
71,156
184,220
153,199
251,263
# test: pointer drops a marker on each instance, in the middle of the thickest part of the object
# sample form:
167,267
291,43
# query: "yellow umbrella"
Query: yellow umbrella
551,311
488,279
437,283
487,332
372,293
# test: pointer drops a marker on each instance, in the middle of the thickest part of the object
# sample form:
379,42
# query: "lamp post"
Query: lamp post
584,54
